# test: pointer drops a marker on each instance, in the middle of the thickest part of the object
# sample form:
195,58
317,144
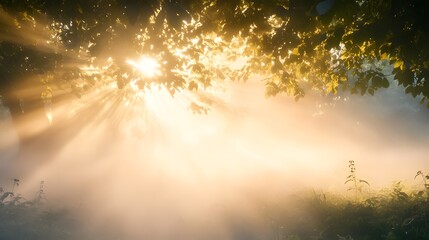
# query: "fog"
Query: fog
155,169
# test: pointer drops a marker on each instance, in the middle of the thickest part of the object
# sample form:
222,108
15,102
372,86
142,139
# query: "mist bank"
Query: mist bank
156,170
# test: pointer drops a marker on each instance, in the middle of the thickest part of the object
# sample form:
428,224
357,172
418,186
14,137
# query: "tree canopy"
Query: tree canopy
328,46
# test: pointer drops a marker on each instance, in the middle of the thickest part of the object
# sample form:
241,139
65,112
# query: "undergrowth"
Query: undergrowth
393,213
389,214
32,219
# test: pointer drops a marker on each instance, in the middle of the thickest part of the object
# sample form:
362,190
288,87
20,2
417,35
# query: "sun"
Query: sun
147,66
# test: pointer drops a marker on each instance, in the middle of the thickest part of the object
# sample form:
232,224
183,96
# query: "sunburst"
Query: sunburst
147,66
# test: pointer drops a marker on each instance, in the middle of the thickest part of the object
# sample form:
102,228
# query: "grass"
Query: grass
390,214
393,213
22,219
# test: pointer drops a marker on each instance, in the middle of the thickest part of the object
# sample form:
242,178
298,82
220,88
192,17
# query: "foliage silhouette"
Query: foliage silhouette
357,184
392,213
32,219
324,45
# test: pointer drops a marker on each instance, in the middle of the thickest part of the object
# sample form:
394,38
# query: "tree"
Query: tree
331,46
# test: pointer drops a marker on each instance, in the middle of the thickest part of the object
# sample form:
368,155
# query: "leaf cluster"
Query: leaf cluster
328,46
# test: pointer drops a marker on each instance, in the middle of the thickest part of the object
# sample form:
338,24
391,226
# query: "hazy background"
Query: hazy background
161,171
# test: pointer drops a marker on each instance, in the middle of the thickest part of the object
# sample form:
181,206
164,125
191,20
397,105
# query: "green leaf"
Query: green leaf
385,82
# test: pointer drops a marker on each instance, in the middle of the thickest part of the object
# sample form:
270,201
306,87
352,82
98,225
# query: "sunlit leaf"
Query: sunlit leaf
399,64
295,51
193,86
332,86
384,56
